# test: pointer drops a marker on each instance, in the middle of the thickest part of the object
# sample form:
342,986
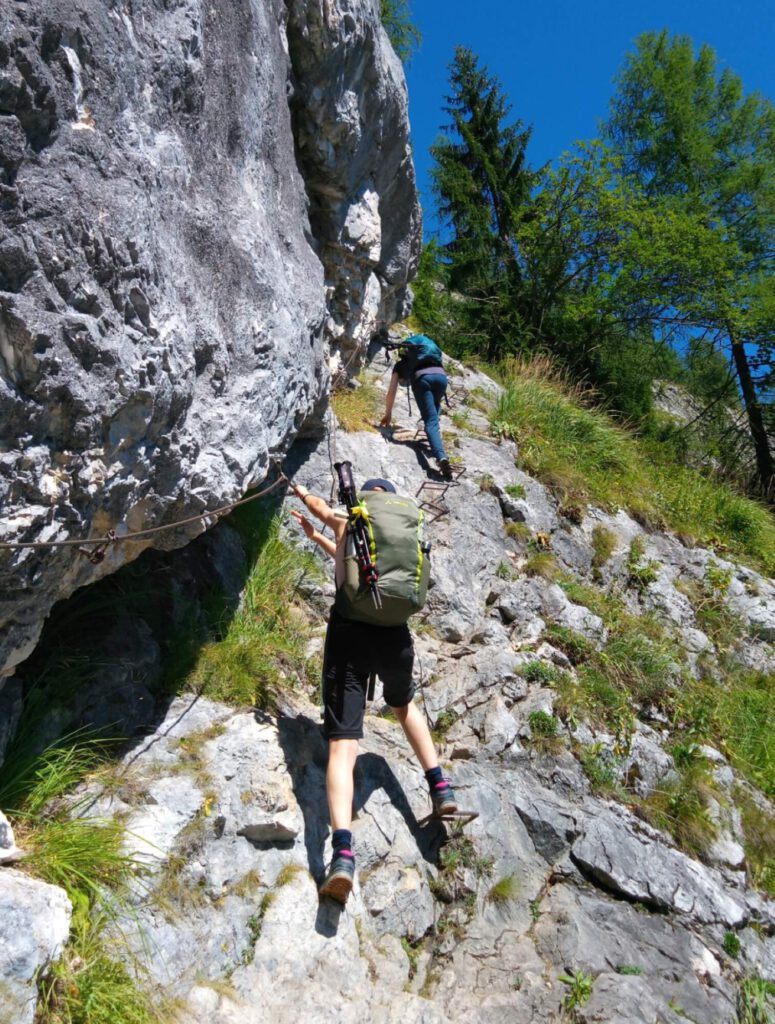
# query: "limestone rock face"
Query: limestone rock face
555,880
36,920
184,190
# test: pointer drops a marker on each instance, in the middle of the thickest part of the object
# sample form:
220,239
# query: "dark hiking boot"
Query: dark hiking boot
443,798
445,469
339,879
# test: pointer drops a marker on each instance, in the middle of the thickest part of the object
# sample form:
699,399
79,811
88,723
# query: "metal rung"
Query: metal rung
464,817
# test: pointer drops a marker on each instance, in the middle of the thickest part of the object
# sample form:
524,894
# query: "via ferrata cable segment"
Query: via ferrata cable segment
356,527
97,554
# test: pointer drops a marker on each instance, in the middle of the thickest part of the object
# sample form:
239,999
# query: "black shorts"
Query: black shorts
353,651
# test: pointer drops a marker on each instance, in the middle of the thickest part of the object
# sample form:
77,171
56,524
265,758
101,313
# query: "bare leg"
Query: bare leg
418,734
339,781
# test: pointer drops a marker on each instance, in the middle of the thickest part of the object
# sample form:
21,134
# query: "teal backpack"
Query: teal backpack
418,353
394,524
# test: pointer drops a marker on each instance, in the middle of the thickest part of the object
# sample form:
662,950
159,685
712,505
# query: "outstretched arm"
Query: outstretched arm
322,511
323,542
391,397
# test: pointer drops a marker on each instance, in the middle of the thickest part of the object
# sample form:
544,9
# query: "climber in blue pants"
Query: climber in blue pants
420,366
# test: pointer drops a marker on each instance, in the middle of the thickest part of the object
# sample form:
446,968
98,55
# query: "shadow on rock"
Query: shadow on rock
372,772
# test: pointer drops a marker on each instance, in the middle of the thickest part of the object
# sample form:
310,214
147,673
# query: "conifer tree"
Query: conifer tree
483,185
699,147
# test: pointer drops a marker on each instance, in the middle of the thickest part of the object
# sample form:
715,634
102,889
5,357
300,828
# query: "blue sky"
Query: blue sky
556,59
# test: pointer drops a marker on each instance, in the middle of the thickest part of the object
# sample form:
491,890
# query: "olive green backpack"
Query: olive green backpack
400,555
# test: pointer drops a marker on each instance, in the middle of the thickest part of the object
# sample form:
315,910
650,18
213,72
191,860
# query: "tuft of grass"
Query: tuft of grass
628,969
542,563
357,405
506,890
540,672
640,574
518,531
516,491
756,998
731,944
264,642
759,840
286,874
486,483
575,646
603,546
444,722
412,948
542,724
91,984
680,807
601,768
584,457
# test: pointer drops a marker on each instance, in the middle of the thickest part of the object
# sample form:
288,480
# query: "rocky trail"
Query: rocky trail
557,903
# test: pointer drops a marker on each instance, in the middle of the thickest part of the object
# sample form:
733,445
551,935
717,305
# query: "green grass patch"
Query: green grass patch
262,644
358,404
680,807
584,457
91,983
543,564
759,832
85,856
505,890
756,999
603,546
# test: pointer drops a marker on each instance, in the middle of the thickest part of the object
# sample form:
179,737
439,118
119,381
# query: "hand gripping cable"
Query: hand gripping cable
356,528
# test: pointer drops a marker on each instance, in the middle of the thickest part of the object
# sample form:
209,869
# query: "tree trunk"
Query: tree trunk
764,461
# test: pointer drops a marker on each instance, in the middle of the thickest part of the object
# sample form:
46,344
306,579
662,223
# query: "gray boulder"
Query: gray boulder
36,922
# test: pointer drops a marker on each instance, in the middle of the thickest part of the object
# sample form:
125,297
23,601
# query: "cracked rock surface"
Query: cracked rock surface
191,216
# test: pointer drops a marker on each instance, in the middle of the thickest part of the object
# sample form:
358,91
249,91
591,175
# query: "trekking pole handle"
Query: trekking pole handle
347,495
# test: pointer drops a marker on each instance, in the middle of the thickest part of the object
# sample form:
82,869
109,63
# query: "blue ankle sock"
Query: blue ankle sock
342,841
434,777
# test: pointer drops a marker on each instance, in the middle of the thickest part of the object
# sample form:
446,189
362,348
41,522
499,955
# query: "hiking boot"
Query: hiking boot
443,798
445,469
339,879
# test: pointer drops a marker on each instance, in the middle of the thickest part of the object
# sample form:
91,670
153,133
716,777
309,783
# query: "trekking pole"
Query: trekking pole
357,529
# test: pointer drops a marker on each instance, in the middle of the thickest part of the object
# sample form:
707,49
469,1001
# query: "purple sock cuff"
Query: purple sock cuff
345,853
442,785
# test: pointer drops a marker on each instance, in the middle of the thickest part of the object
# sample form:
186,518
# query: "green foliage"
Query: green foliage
460,851
731,944
542,563
640,574
573,644
404,35
628,969
602,769
737,715
413,949
579,989
539,672
358,405
703,156
483,187
680,807
542,724
759,840
264,641
506,890
86,857
603,546
91,983
755,1000
584,457
444,722
515,491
